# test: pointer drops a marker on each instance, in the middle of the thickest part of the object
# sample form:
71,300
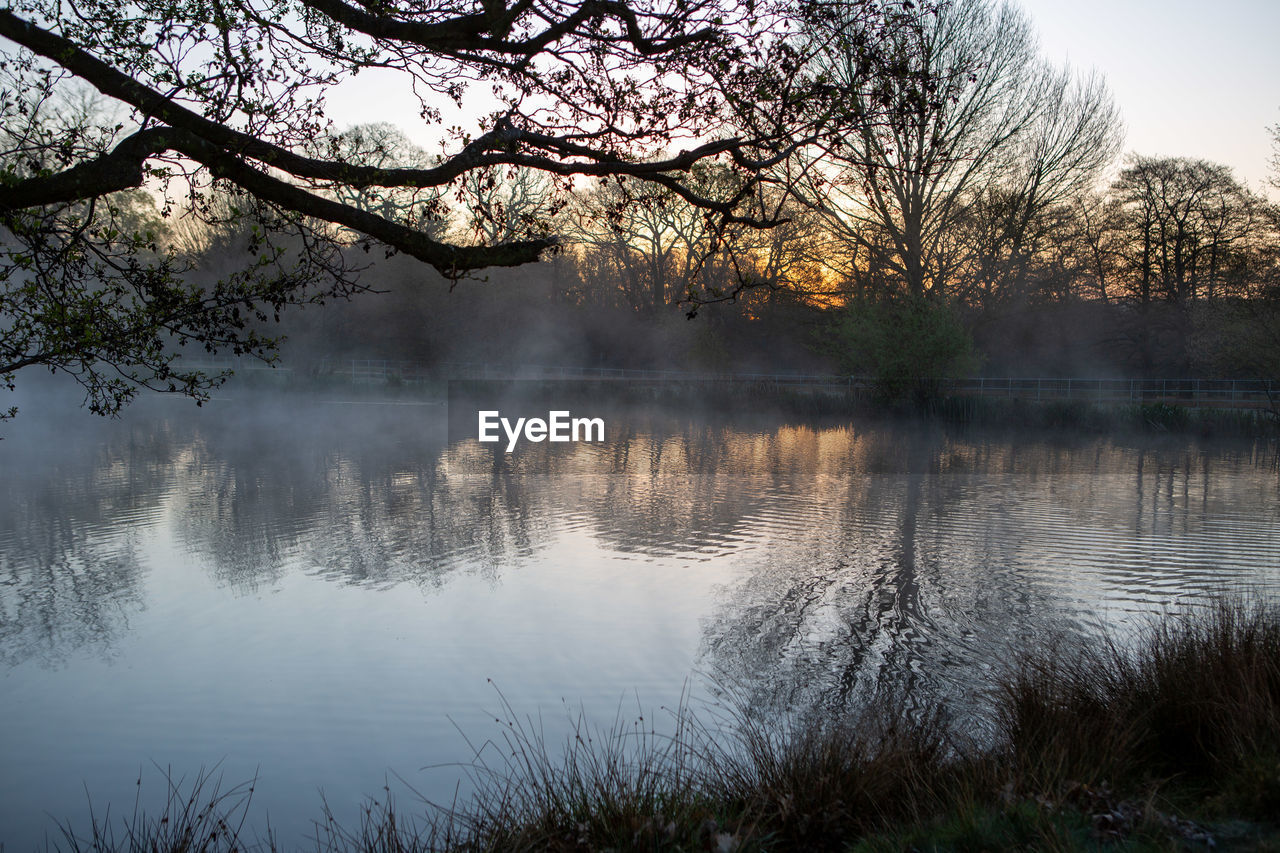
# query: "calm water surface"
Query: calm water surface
325,592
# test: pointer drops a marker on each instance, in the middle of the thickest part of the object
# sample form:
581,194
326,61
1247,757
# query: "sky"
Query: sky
1191,79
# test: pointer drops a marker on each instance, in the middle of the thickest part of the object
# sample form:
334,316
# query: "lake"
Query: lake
333,595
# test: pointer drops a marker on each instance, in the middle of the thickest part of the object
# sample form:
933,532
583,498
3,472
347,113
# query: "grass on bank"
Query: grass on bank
1169,743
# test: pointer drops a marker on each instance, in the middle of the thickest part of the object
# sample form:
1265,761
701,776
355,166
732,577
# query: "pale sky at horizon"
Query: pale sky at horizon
1189,82
1190,79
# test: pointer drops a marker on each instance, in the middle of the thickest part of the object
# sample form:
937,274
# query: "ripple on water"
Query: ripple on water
324,601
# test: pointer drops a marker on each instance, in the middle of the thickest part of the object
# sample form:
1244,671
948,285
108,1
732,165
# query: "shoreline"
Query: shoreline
1170,743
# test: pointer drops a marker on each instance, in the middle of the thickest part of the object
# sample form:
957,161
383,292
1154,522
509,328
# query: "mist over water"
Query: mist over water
320,590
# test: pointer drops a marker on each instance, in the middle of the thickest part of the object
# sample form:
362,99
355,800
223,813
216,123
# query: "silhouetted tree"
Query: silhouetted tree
230,95
1275,156
1185,219
975,118
1190,234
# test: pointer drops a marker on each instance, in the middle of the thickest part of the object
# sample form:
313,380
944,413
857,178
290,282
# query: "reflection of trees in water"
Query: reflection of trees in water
69,570
382,501
837,612
361,498
70,593
361,495
689,488
863,554
357,495
933,565
885,556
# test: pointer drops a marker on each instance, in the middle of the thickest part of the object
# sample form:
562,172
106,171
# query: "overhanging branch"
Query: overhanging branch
123,168
497,147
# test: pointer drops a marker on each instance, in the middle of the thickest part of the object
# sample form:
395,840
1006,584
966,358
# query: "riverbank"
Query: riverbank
712,397
1170,742
1208,408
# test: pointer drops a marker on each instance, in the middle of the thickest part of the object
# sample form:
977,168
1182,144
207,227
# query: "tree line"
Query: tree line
904,189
